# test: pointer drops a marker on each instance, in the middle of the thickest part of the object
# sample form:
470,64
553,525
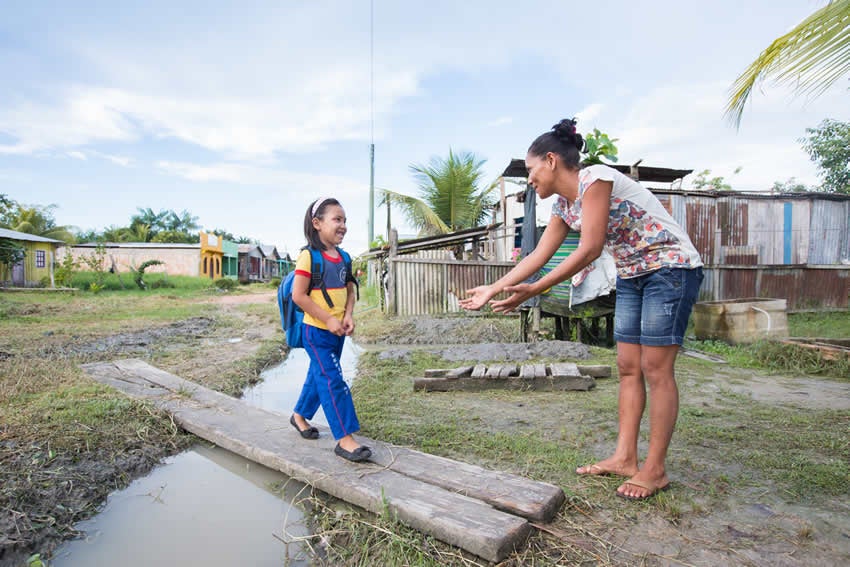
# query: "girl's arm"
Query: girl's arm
594,228
549,243
348,317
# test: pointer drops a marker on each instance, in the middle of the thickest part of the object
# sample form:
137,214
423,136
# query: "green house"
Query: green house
37,265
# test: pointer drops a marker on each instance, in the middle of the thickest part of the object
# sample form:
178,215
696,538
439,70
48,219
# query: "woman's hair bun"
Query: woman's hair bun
565,130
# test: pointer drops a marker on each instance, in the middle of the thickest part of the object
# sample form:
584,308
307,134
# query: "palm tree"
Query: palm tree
184,222
450,197
812,56
156,221
39,221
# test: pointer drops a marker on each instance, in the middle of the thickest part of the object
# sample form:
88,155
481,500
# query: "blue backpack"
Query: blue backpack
291,316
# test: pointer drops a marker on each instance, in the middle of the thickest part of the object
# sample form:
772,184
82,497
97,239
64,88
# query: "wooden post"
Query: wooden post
392,299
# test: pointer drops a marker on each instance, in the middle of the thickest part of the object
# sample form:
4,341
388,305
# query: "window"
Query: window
40,258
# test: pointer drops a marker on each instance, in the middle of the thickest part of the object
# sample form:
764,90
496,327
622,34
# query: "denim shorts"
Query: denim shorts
653,309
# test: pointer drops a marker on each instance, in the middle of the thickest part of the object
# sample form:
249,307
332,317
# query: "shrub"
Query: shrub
274,282
225,284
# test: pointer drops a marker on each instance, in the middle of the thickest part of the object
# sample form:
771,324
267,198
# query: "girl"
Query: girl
658,277
328,320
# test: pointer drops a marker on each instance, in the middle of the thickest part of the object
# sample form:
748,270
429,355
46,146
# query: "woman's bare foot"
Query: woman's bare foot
643,486
610,466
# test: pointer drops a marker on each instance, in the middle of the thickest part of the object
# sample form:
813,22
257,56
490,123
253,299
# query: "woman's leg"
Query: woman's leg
632,395
657,364
668,297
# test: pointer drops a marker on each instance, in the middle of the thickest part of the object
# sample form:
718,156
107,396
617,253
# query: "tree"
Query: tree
451,198
703,182
10,252
828,146
791,185
39,221
8,207
810,57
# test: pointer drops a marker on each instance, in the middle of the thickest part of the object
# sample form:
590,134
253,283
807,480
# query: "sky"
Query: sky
244,112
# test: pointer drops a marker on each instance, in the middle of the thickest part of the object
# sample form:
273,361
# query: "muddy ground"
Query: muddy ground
760,530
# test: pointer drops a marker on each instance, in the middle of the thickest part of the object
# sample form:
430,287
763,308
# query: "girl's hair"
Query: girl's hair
316,210
562,140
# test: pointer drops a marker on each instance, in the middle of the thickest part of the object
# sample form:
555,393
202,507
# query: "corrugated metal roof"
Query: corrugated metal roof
150,245
15,235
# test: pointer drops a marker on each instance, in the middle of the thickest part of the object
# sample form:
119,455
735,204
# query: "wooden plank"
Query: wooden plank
526,371
543,384
478,371
452,501
508,370
595,371
459,372
435,372
564,370
493,371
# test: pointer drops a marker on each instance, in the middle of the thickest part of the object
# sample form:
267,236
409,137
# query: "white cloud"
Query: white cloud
77,155
501,121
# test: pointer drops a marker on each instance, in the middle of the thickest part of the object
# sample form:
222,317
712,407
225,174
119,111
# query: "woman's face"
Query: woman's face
541,174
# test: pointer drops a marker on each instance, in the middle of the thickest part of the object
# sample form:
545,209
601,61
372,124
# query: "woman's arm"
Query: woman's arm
550,241
594,228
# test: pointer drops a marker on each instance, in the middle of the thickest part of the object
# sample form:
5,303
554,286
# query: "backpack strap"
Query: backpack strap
346,257
317,279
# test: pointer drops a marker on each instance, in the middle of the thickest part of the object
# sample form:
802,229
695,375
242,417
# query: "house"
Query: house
212,255
36,268
230,259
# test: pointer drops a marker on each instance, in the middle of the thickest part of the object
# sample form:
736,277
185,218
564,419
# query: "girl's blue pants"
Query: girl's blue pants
324,384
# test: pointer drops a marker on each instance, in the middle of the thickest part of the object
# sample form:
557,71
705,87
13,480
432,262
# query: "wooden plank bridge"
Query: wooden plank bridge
481,511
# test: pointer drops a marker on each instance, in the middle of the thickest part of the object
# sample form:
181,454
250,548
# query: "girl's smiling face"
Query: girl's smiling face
331,226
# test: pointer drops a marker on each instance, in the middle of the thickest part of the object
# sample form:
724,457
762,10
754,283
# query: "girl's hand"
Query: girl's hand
348,325
477,297
335,326
519,293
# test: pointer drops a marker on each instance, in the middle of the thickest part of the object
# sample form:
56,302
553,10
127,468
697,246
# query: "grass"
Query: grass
727,450
66,441
728,447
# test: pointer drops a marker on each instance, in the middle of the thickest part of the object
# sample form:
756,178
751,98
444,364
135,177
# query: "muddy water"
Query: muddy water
207,506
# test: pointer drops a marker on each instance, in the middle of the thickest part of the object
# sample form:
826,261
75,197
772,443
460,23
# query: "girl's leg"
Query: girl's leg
308,401
333,393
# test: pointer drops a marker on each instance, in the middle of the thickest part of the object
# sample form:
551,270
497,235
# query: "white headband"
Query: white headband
318,204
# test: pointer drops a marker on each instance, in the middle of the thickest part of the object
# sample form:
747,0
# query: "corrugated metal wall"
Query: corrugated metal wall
425,286
830,233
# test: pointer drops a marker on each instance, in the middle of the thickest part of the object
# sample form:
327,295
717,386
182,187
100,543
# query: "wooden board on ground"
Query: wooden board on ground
554,377
481,511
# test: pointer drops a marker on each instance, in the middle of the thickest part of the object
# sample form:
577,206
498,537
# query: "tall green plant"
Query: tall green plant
451,197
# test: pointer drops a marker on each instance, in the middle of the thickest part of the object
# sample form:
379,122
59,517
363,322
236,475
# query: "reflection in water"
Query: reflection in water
208,506
281,385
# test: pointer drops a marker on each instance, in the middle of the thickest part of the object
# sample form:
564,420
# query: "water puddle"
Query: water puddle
208,506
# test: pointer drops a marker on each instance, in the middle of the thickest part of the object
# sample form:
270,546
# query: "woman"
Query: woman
658,277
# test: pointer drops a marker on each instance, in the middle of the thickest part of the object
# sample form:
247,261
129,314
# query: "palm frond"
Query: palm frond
417,211
812,56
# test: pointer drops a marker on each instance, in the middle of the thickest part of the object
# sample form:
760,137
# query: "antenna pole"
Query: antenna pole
372,123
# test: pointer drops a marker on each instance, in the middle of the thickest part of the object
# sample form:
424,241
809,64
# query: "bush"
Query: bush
161,284
225,284
274,282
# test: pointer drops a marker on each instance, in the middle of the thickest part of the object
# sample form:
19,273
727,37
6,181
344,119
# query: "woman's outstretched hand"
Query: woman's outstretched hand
476,297
519,293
